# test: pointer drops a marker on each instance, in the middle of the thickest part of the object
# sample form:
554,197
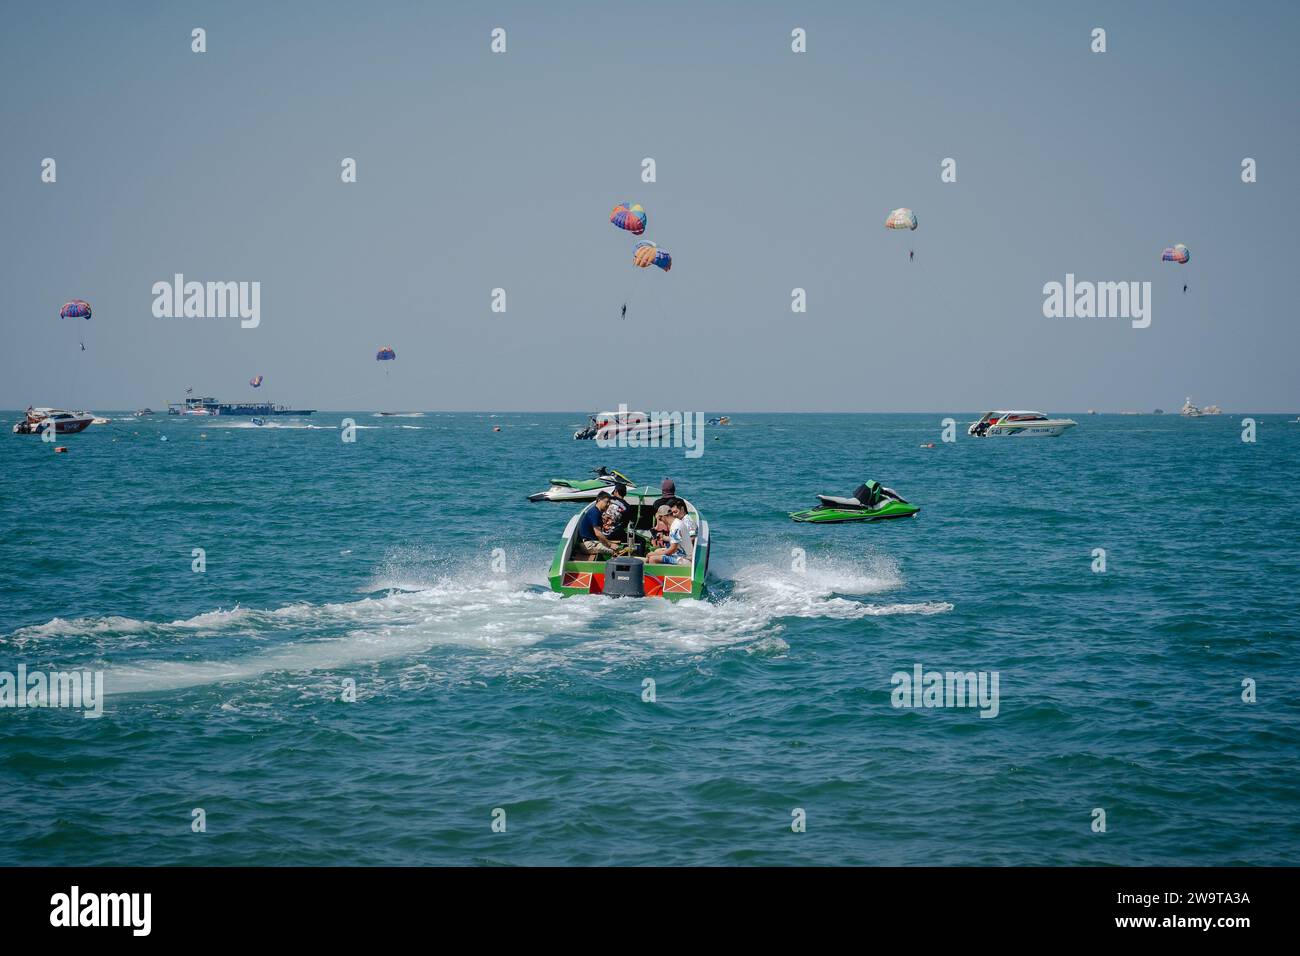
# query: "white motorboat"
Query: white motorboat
64,422
1010,423
611,426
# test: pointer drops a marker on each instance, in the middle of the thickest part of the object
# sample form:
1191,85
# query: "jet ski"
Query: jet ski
582,489
871,501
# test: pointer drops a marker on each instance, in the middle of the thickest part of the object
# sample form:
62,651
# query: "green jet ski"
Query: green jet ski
871,501
582,489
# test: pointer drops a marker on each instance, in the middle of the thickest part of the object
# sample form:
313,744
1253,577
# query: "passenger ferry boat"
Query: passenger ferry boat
210,406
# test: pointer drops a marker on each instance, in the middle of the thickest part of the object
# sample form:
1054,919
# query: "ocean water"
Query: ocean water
479,689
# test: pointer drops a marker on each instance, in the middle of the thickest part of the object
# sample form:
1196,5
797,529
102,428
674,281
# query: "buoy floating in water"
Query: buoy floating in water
930,445
496,428
162,437
60,448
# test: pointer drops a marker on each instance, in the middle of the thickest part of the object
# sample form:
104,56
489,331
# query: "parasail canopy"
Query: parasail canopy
648,254
629,216
255,381
901,218
1179,254
76,309
385,355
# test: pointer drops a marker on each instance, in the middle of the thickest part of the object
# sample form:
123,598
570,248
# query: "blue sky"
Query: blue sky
775,171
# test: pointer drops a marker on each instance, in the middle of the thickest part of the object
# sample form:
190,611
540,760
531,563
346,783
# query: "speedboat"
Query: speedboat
1022,424
609,426
258,422
64,422
630,575
721,420
583,489
871,501
142,412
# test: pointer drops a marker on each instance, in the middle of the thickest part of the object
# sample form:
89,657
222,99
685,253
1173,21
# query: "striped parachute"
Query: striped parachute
902,218
255,381
1179,254
649,254
385,355
76,309
629,216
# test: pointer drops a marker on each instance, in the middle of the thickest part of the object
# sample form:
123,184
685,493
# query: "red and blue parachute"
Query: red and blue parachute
385,355
255,381
629,216
1179,254
75,309
648,254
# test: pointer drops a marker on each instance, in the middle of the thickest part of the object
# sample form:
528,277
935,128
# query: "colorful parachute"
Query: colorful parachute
648,254
1179,254
385,355
255,381
901,219
629,216
76,309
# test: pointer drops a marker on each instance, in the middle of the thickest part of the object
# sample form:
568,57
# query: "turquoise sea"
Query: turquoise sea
477,688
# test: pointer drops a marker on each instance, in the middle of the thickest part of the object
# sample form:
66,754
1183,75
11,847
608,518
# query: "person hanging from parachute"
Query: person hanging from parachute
630,217
76,309
1178,254
902,218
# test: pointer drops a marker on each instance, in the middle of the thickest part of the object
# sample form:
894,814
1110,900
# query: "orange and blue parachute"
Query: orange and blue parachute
648,254
629,216
76,309
1179,254
385,355
902,218
255,381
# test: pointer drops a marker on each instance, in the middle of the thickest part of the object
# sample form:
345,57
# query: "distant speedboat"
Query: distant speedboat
638,425
258,421
64,422
142,412
1018,424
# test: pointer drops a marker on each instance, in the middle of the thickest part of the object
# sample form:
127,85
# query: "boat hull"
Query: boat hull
825,515
671,582
1032,430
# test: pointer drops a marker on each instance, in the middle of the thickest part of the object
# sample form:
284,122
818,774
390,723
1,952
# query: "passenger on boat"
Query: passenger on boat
590,541
618,512
669,492
681,540
663,524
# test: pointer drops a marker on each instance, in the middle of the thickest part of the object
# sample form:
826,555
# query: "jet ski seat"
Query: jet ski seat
831,500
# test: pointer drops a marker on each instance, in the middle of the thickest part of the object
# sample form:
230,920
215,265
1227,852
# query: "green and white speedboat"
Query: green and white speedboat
631,575
871,501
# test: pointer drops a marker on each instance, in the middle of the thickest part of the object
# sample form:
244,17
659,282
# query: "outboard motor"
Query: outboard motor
625,577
